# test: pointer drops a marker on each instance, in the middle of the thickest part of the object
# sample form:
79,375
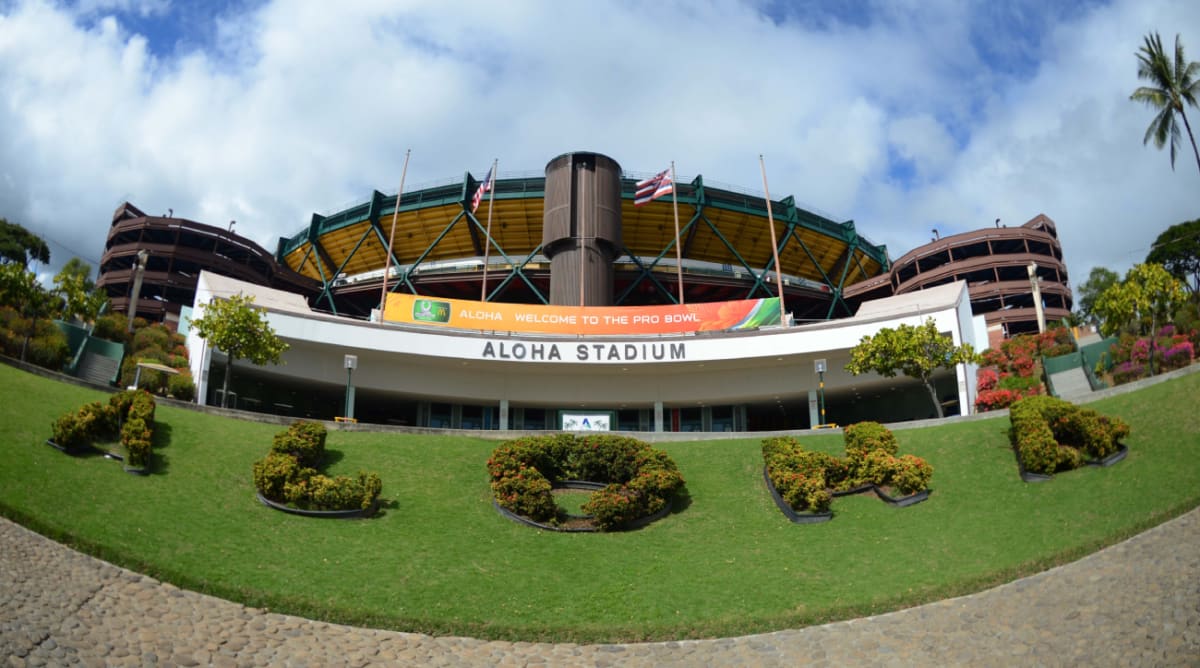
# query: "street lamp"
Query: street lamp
142,256
351,362
819,366
1035,284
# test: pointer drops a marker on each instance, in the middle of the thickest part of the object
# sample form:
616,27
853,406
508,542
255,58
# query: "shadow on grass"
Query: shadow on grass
682,501
384,506
331,457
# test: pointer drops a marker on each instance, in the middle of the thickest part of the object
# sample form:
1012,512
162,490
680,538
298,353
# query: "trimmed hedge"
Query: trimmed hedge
133,410
1052,435
807,480
288,474
640,480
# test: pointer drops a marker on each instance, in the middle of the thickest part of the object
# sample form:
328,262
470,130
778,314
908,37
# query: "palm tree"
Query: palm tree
1173,84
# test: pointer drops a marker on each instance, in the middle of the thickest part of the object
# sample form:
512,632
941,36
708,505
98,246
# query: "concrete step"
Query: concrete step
1071,384
97,368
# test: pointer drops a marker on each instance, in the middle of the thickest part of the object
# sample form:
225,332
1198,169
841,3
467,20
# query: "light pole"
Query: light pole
1035,283
819,365
351,362
142,256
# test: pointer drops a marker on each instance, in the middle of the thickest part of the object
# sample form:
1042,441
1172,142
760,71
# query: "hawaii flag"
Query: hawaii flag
485,186
654,187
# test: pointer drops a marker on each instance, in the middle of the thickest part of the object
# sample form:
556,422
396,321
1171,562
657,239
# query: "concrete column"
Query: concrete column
504,415
658,416
814,411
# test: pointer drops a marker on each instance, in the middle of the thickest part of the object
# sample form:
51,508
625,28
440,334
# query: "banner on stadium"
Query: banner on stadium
589,320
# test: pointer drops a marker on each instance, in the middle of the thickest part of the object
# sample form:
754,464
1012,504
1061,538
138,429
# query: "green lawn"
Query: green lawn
439,559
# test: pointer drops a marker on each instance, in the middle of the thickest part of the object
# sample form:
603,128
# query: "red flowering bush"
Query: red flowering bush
987,379
990,400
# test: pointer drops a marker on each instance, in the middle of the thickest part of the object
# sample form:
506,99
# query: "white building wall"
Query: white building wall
469,367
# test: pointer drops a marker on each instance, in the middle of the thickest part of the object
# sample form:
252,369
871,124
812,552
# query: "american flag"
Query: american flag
485,186
654,187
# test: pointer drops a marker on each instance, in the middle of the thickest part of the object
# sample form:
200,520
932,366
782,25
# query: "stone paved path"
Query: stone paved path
1134,604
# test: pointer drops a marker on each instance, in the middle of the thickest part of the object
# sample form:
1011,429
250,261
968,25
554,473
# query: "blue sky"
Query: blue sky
902,116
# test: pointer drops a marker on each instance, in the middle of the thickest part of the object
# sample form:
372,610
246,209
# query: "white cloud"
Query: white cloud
293,107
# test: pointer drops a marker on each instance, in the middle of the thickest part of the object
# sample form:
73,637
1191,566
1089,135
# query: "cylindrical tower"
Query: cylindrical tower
581,228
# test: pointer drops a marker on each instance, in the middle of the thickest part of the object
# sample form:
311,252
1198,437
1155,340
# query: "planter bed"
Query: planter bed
788,511
353,514
1115,457
813,518
585,485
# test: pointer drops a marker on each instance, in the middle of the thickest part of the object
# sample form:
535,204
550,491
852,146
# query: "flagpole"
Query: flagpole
678,249
581,234
387,263
774,245
488,236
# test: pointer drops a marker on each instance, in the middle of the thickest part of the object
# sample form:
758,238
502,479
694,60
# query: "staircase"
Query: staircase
97,369
1071,384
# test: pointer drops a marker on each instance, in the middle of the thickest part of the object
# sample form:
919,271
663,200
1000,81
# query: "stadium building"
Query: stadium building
1001,266
175,250
560,301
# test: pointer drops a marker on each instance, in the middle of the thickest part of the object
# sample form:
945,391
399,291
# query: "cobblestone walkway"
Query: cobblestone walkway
1134,604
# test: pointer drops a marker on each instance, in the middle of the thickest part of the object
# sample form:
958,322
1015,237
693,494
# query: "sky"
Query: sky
904,116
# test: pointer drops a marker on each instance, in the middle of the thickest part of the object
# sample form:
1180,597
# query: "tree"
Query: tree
21,246
1174,83
241,331
20,289
1097,282
1178,251
80,298
914,351
1148,297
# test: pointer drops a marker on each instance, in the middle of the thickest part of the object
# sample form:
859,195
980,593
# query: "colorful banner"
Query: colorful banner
588,320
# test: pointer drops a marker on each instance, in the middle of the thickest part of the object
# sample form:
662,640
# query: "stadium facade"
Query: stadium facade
483,319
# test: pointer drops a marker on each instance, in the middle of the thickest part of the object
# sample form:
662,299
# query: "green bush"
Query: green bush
111,327
876,467
911,474
1019,383
804,493
71,432
303,440
48,349
286,474
132,410
864,437
525,491
640,479
154,337
805,480
181,386
321,492
1052,435
273,473
135,438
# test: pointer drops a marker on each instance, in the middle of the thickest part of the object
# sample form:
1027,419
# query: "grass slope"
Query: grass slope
440,560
